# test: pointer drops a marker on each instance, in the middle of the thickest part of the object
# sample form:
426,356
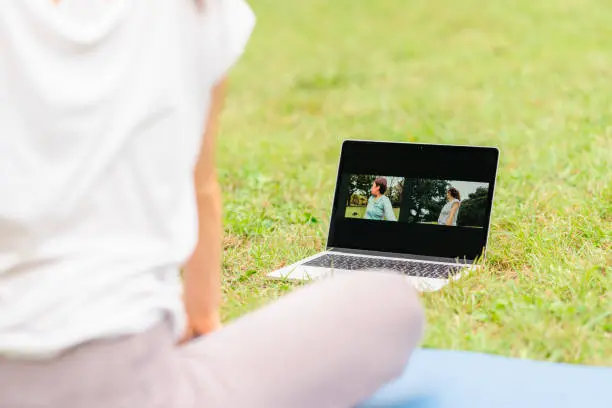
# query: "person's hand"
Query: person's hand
201,327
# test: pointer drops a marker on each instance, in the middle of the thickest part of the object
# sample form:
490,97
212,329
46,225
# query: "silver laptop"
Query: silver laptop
420,210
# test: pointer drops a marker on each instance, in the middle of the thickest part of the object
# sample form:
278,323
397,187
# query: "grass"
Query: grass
361,212
531,77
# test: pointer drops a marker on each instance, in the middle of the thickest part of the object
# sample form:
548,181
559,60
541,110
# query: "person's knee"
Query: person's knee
386,302
387,315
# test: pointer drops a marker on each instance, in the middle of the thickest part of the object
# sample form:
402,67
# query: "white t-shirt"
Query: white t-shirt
103,104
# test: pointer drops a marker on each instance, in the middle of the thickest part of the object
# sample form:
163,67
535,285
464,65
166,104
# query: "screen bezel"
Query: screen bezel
412,161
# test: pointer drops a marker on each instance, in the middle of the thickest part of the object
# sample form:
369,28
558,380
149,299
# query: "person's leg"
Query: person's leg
132,371
330,344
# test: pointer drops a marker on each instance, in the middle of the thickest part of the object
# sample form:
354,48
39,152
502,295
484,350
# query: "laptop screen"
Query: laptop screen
414,199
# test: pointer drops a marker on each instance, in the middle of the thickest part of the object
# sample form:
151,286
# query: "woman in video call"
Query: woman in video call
379,206
450,211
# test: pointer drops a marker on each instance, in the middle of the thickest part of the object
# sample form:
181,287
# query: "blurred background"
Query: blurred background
532,77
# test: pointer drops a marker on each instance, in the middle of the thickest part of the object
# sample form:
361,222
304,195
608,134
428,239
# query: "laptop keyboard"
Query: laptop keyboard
411,268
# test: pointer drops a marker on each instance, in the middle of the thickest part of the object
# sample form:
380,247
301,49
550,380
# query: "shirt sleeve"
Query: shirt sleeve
233,22
389,214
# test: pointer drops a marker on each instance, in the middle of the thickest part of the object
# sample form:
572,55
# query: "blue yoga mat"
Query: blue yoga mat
451,379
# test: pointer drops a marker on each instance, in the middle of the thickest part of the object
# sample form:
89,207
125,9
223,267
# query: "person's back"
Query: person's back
101,115
103,105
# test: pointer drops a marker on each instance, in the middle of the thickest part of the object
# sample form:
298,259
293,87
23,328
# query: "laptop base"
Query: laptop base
299,272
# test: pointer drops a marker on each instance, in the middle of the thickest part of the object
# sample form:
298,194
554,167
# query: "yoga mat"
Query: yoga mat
453,379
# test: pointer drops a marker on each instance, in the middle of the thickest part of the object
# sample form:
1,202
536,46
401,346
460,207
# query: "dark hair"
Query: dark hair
454,193
381,182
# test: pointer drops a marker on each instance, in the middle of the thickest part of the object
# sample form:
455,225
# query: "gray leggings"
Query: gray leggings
329,344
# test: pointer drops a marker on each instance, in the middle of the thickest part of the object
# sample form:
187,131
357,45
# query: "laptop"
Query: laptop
421,210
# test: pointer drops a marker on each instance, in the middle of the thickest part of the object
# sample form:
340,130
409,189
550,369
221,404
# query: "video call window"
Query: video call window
374,197
417,201
446,202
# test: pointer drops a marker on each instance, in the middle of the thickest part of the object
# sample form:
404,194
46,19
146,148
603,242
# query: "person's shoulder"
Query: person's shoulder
225,28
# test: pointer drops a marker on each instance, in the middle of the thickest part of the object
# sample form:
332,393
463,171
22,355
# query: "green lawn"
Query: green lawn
531,77
361,212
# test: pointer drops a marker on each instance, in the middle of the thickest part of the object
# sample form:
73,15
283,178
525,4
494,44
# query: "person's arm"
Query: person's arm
451,216
202,273
365,213
389,214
